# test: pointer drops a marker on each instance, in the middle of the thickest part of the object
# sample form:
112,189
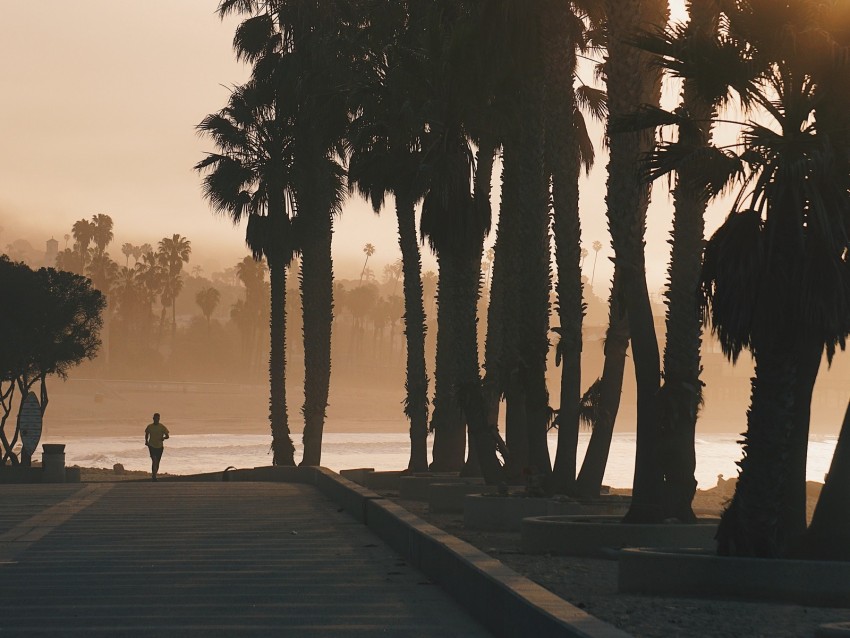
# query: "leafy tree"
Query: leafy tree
55,318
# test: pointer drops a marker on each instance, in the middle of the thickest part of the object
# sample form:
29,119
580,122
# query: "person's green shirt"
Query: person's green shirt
155,434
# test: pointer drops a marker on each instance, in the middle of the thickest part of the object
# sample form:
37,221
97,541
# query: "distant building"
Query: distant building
50,252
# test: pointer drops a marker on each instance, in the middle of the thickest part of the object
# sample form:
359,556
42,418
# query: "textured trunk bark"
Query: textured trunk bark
633,80
283,451
317,304
416,401
751,524
828,537
681,393
447,419
794,506
610,390
564,165
535,243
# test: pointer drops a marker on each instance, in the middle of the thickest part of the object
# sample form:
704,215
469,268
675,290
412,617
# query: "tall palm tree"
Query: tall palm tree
775,279
128,251
681,392
174,251
518,316
250,179
368,250
385,155
208,299
307,49
568,147
101,232
597,246
83,232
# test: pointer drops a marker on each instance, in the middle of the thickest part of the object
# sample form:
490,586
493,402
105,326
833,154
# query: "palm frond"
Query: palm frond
593,100
253,37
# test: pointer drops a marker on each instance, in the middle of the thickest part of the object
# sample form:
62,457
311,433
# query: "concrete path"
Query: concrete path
178,559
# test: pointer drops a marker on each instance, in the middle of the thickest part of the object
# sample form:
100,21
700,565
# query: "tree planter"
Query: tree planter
384,481
416,488
357,474
595,535
701,573
505,513
449,497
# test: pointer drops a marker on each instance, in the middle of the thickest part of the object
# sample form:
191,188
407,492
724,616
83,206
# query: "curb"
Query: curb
506,603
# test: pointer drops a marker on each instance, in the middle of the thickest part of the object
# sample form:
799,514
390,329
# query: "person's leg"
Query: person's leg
157,457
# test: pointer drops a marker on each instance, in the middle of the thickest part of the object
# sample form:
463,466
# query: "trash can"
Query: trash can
53,463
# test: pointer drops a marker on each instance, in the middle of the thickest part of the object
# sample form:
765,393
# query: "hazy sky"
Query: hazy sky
100,100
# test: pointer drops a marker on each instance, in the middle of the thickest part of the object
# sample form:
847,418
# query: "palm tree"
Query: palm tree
249,179
385,154
568,147
101,232
597,246
775,279
368,250
83,232
67,237
633,81
173,252
518,316
681,391
103,271
207,299
128,250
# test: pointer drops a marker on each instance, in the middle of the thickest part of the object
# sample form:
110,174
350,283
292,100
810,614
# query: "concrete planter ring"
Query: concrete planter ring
506,513
702,573
598,535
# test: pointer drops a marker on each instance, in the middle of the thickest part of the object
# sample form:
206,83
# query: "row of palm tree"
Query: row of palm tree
414,99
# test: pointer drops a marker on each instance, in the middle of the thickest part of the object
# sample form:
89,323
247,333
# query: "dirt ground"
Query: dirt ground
591,584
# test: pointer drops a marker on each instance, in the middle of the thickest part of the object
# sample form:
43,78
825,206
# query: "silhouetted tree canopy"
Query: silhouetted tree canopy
50,321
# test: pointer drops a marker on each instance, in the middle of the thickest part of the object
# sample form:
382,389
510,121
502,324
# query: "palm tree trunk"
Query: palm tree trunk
536,276
750,526
608,393
317,303
828,537
794,506
416,401
681,393
564,164
633,80
482,437
282,447
447,419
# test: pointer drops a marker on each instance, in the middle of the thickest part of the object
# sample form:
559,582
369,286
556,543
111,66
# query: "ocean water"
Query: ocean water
190,454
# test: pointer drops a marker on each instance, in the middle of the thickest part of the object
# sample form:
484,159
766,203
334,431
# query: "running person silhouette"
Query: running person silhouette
155,434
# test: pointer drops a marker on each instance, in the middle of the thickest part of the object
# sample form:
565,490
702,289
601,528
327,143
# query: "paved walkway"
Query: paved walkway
176,559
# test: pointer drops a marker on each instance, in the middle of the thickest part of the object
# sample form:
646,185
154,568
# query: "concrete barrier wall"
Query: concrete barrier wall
506,603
